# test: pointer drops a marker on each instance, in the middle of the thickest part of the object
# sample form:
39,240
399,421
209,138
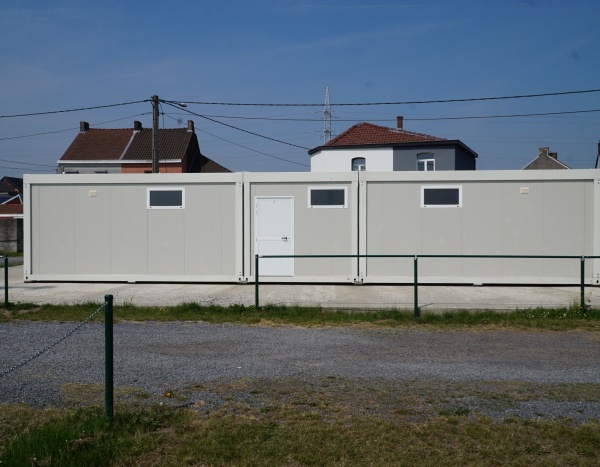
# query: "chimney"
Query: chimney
191,126
553,155
137,126
399,119
83,127
543,152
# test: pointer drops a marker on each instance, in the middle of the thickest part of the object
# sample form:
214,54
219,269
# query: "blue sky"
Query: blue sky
63,54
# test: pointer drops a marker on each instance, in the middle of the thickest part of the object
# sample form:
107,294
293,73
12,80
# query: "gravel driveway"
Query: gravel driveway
495,372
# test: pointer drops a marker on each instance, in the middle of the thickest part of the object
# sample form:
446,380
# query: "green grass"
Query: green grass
170,437
82,437
567,318
11,253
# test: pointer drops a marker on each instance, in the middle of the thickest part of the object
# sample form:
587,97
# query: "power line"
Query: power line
567,112
505,116
245,147
73,110
436,101
70,129
28,163
21,168
236,128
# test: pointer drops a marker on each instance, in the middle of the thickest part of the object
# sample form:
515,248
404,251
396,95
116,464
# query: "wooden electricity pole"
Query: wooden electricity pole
155,152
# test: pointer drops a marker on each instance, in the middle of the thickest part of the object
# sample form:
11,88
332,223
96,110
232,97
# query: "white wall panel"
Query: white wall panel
166,242
129,229
92,239
210,230
53,232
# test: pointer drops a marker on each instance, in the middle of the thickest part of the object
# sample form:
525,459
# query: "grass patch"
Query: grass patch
12,254
567,318
166,437
83,437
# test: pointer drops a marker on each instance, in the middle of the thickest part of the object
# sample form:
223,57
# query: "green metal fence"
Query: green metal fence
417,310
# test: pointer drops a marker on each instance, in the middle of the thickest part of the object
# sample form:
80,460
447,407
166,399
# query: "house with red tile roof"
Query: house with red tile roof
99,150
376,148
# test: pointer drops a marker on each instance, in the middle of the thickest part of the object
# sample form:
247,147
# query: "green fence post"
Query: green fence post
582,298
416,285
256,282
6,282
108,356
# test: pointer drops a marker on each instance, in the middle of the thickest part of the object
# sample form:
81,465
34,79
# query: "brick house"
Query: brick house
98,150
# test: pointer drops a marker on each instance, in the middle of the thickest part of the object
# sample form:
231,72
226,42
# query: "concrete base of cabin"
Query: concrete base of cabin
431,297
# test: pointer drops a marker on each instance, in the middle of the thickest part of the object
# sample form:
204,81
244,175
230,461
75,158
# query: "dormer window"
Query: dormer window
425,162
359,163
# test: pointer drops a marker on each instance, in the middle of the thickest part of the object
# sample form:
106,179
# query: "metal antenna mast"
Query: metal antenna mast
326,118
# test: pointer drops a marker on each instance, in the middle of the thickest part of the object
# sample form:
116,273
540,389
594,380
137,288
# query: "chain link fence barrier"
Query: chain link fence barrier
53,344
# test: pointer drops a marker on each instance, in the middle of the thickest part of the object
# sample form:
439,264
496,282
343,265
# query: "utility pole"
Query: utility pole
155,153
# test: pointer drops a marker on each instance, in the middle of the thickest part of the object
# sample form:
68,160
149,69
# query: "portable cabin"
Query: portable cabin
210,227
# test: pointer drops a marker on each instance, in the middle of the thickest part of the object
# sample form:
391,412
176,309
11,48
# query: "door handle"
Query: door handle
285,239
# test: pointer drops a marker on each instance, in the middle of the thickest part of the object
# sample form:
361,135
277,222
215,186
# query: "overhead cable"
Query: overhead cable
28,163
286,119
245,147
70,129
73,110
236,128
436,101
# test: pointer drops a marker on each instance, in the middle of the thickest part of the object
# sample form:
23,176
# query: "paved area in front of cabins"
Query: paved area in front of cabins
438,297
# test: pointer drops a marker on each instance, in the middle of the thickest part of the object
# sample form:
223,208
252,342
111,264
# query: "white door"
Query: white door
274,234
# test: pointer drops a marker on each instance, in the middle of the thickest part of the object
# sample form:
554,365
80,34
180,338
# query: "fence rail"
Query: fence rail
417,310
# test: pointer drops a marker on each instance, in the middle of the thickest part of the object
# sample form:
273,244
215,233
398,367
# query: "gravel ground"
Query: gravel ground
348,370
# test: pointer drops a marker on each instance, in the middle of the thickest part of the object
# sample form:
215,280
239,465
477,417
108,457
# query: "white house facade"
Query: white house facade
375,148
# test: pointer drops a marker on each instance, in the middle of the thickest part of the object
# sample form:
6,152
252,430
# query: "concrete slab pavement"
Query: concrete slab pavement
438,297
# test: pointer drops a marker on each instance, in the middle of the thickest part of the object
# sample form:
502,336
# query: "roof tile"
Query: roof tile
129,145
11,209
172,144
98,144
367,133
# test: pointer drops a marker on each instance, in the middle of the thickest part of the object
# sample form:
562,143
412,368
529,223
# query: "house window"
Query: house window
441,196
359,163
166,198
327,197
425,162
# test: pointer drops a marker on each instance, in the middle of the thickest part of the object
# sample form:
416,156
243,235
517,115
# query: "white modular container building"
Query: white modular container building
133,227
209,227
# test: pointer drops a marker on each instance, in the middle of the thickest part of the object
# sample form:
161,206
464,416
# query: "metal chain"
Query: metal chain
44,350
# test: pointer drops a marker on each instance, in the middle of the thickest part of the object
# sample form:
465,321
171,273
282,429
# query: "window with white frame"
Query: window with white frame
166,198
425,162
359,163
441,196
327,197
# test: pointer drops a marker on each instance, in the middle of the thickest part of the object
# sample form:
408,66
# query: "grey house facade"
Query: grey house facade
446,155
